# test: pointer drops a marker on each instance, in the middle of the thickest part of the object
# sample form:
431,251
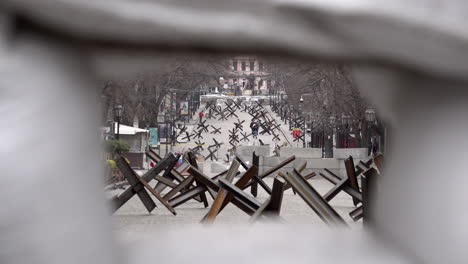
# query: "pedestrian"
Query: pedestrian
201,115
254,126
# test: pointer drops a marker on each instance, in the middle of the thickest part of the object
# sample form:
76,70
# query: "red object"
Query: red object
201,114
151,164
296,133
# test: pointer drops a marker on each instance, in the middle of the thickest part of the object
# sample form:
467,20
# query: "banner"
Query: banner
184,108
153,138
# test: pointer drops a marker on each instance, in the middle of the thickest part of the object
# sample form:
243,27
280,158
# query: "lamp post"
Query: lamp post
118,113
332,120
292,111
301,108
167,119
313,124
370,118
280,103
323,138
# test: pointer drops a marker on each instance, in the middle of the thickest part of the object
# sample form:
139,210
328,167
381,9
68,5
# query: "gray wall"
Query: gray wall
137,142
313,157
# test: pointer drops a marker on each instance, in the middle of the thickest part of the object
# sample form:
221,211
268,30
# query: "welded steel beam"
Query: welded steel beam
313,199
334,179
147,177
218,202
135,184
356,214
160,186
255,163
190,194
352,176
238,193
163,201
274,169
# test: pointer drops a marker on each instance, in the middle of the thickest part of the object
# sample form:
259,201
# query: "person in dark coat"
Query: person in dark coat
255,127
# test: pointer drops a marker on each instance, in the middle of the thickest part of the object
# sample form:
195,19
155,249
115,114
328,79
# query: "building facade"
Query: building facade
249,76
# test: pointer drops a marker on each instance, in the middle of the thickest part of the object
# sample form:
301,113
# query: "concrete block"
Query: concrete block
335,165
263,151
301,152
271,161
217,167
344,153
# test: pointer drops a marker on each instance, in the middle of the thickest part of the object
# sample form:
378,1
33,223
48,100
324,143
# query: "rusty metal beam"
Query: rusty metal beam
193,162
156,158
200,177
241,161
331,177
277,167
352,176
238,193
356,214
274,169
212,184
218,202
166,181
369,185
160,186
135,184
255,163
335,190
307,177
172,174
313,199
184,184
163,201
148,176
276,199
272,206
190,194
241,184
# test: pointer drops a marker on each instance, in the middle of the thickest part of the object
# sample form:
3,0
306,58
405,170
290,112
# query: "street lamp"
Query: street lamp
313,124
167,119
281,106
370,118
332,129
118,113
370,115
301,106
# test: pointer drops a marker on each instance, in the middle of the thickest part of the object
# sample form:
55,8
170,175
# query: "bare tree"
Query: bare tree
143,95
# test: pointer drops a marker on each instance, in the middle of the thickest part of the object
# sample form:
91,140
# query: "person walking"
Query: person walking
254,126
201,115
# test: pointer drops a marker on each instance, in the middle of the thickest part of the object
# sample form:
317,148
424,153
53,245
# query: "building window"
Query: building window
252,66
234,65
260,66
243,65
